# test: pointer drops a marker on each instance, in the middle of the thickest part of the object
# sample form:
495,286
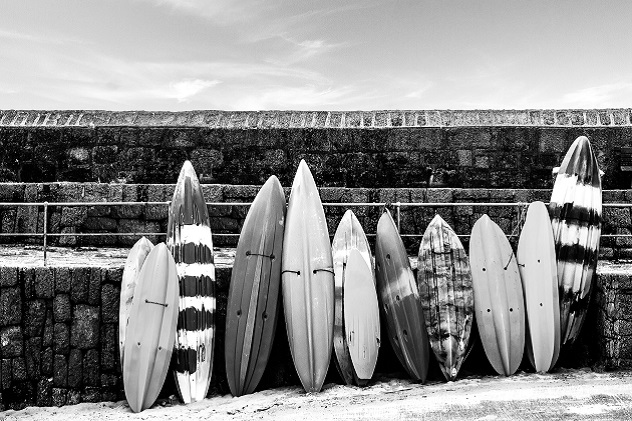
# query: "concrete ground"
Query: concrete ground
564,395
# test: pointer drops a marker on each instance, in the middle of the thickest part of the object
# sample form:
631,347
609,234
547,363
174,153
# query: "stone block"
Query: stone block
32,356
100,223
11,342
19,369
47,362
79,284
84,331
73,216
617,217
73,397
61,339
59,396
44,392
75,368
62,280
44,282
10,306
6,373
110,348
62,308
60,371
481,160
67,239
8,276
91,368
47,335
110,296
91,394
94,286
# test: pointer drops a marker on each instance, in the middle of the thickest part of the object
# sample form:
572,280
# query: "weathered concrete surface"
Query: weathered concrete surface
478,148
565,395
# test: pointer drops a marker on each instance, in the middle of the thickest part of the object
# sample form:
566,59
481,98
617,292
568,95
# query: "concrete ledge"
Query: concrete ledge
317,119
59,329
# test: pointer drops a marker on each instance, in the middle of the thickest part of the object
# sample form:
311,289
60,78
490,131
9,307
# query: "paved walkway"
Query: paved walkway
566,395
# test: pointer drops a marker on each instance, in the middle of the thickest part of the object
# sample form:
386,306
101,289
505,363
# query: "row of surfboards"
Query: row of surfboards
333,293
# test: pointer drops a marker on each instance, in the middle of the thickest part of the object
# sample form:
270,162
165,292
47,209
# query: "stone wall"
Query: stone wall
226,221
489,149
59,337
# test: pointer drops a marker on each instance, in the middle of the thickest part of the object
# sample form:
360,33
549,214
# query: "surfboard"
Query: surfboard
190,241
498,296
307,282
399,299
445,291
151,329
253,295
133,264
361,317
349,236
538,271
575,212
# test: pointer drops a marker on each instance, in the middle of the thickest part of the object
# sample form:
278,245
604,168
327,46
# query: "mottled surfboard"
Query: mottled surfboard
575,212
133,265
151,329
445,290
538,271
399,300
253,296
361,317
307,282
191,244
498,296
349,236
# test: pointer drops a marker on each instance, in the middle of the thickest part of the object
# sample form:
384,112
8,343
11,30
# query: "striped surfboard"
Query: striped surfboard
575,212
445,290
191,244
399,298
349,236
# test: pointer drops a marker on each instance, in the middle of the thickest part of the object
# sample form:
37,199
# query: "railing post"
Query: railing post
45,229
398,204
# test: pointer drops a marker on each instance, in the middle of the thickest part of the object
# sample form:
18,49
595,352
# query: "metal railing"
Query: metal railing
396,205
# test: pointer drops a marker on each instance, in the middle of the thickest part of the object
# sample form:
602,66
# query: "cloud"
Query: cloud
185,89
223,12
607,95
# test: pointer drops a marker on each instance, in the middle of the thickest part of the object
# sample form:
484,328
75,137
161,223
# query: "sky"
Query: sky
315,55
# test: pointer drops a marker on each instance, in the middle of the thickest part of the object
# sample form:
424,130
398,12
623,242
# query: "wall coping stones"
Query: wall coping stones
318,119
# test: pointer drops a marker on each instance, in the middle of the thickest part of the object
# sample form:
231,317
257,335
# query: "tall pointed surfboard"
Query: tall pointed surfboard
253,296
151,329
191,244
399,300
538,271
575,211
349,236
307,282
498,296
361,317
133,265
445,290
